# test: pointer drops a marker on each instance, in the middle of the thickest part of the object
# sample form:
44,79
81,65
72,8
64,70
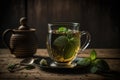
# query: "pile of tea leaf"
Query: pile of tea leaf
94,65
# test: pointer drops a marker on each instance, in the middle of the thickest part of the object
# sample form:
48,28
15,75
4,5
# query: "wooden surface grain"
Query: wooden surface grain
112,56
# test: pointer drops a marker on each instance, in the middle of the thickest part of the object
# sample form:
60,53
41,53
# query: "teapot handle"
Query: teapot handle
5,40
87,41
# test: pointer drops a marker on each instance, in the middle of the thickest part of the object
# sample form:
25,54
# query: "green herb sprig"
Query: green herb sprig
94,65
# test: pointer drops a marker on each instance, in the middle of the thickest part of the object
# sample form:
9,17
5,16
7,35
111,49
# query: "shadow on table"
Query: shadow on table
75,70
111,75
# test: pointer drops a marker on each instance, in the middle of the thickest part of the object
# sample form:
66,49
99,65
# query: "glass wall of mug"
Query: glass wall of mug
64,42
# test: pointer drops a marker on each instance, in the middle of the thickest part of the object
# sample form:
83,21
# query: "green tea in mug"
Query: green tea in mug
64,42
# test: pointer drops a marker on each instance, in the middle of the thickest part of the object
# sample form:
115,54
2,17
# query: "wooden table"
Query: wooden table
112,56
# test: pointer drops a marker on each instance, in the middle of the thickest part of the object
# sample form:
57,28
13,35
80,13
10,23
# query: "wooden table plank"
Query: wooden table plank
111,56
101,53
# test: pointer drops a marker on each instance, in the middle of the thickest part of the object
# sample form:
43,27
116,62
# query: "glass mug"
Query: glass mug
64,43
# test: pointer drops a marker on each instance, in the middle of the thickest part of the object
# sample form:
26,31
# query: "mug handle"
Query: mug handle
87,41
5,40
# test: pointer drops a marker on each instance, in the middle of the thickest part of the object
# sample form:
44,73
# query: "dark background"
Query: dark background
99,17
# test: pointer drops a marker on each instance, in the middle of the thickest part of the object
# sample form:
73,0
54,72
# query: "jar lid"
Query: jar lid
23,24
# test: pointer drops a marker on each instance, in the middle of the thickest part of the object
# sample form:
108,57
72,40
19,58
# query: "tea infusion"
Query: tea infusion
64,44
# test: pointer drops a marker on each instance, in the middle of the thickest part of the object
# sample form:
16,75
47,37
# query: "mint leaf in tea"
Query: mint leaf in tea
61,41
62,29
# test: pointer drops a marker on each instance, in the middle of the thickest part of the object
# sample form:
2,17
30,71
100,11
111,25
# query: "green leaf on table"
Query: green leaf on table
102,65
94,65
84,62
94,69
11,67
93,55
99,65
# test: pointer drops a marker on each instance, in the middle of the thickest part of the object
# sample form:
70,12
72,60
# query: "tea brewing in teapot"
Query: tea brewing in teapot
22,41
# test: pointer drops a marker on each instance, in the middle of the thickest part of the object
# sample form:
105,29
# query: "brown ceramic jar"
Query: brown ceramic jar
23,41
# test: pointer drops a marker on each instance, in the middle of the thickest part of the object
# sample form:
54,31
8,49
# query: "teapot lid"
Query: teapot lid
23,24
